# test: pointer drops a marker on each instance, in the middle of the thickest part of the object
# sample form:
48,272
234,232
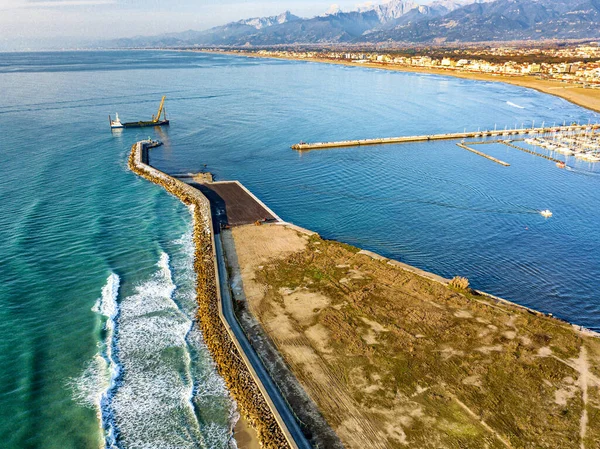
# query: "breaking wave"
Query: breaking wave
94,387
510,103
153,382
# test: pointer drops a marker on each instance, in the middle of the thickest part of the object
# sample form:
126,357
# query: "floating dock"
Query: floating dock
302,146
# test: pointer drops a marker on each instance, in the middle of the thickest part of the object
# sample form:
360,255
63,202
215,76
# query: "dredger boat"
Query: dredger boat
156,120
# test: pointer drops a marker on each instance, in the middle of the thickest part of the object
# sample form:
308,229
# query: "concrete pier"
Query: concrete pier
487,156
450,136
531,152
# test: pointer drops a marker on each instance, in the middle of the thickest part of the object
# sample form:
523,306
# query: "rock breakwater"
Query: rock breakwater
230,365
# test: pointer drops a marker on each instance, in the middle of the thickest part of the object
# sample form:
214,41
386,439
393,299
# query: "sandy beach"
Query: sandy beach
587,98
245,436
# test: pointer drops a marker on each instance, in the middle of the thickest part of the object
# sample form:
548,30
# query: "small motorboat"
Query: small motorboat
153,143
546,213
561,164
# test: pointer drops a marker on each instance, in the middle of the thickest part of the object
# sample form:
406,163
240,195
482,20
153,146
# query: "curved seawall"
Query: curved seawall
222,344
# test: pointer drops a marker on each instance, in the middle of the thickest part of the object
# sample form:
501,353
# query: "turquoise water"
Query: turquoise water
97,343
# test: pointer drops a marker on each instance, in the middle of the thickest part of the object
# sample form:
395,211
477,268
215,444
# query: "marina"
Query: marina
583,144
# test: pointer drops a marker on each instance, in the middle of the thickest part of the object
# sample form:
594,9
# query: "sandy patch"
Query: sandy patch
319,337
356,274
463,314
510,335
245,436
280,324
396,433
525,340
490,349
253,247
370,337
304,305
450,352
563,395
261,243
472,380
374,325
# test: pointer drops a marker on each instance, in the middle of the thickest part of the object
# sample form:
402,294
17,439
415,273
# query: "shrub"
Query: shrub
459,283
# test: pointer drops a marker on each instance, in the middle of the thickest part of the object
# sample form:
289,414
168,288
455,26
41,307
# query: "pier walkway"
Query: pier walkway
302,146
535,153
487,156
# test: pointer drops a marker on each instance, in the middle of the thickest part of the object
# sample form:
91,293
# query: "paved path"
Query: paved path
280,404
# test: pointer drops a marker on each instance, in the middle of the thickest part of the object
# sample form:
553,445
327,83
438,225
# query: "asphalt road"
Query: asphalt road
281,405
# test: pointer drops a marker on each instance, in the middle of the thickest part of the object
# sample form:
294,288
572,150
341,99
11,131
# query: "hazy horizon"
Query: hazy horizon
39,24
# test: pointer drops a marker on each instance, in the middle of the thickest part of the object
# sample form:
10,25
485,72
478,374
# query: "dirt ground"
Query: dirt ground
396,360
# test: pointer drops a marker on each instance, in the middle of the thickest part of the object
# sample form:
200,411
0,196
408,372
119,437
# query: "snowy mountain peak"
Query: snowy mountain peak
394,9
264,22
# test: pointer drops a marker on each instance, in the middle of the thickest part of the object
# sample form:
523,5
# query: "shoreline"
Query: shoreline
585,98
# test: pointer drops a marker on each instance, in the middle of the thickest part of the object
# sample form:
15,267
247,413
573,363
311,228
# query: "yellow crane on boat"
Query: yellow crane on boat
161,110
156,119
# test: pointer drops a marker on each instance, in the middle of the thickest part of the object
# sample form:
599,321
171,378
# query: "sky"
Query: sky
38,23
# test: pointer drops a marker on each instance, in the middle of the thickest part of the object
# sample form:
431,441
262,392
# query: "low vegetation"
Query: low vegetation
459,283
394,360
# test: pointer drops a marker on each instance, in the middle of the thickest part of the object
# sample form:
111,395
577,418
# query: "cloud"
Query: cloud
333,9
63,3
365,6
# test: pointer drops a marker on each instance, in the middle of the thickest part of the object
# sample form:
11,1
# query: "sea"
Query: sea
99,345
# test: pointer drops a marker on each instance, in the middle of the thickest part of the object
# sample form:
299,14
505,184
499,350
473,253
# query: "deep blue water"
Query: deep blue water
75,221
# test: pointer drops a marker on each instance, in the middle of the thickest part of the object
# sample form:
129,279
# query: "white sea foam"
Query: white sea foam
94,386
152,404
108,307
163,361
107,303
153,382
514,105
88,387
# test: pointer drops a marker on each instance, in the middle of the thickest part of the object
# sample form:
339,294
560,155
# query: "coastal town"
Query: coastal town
578,65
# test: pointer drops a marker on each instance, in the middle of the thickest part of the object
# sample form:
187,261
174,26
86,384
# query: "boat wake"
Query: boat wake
152,381
514,105
580,171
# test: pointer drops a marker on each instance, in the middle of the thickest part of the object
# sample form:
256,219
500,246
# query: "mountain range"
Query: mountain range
402,21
